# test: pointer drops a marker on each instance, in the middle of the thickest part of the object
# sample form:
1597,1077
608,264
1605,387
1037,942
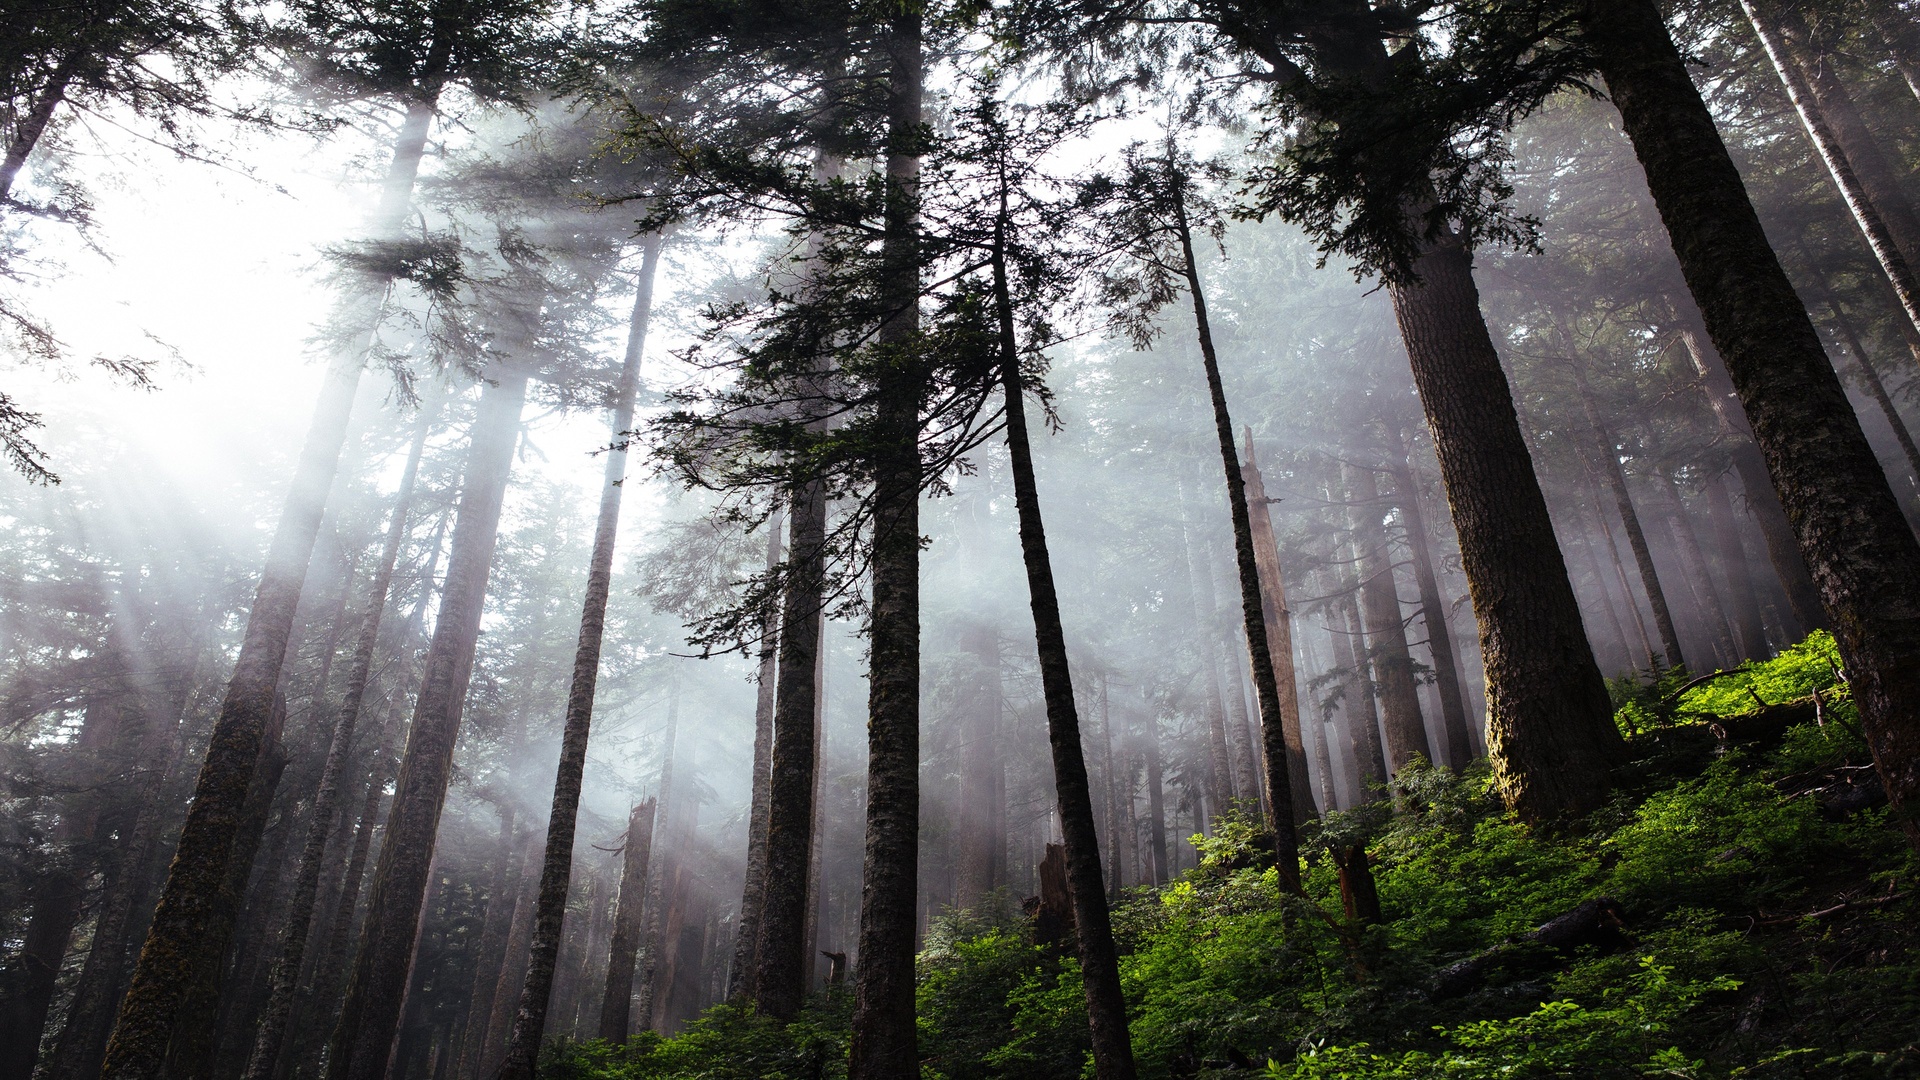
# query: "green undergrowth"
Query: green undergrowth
1761,928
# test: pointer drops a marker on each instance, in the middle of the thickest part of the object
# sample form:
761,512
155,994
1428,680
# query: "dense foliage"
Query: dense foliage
1763,931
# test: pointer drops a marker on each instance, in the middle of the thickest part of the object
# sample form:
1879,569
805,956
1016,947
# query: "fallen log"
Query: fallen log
1597,923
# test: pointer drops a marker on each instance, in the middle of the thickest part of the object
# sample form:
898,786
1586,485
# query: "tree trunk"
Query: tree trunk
491,951
783,962
1867,184
1851,532
138,1047
272,1024
1157,804
1897,33
1877,390
1279,620
1607,460
58,896
1747,619
1253,615
1099,958
556,870
189,1051
1696,566
1361,712
982,779
493,1040
1433,608
1606,594
742,980
1550,729
363,1037
628,919
884,1042
1218,781
1406,730
34,123
1783,546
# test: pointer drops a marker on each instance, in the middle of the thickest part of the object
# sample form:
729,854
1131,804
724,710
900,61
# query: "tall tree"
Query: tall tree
1849,525
363,1036
556,871
1406,731
1279,620
1433,609
884,1035
628,920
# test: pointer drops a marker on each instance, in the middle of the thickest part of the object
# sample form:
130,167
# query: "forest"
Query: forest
959,539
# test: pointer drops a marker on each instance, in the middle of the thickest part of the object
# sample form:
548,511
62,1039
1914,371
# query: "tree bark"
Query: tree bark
1863,556
1433,608
190,1046
628,920
1279,620
1867,184
1607,459
272,1023
363,1038
885,1042
1783,546
1099,958
1406,730
556,869
34,124
1252,612
137,1048
783,962
1550,731
742,973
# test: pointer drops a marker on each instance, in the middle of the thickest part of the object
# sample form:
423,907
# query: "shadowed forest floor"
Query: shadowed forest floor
1742,908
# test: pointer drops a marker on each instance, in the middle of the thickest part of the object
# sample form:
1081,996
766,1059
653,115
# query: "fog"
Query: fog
229,267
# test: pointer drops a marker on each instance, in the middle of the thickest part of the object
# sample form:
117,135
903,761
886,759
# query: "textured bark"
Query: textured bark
742,973
784,962
272,1024
1867,184
983,836
190,1046
34,124
207,841
1783,546
1606,461
78,1050
1279,622
556,869
1458,746
1099,958
1550,731
1392,660
362,1040
884,1042
1862,554
628,920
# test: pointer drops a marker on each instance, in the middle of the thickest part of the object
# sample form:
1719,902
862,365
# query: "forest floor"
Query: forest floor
1742,908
